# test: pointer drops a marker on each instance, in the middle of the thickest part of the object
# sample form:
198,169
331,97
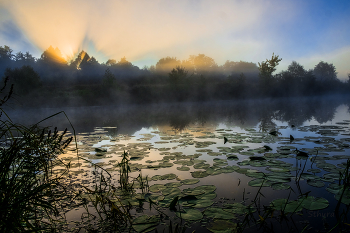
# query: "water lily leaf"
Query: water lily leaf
171,191
169,176
145,223
201,203
153,197
184,162
345,198
239,208
278,179
156,188
280,186
314,203
201,166
183,168
232,157
101,150
206,188
334,188
190,214
218,213
208,196
286,206
199,174
189,181
316,183
277,169
192,191
259,182
314,170
222,226
173,184
255,174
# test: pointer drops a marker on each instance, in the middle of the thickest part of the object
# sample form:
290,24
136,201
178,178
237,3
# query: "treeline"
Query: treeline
52,80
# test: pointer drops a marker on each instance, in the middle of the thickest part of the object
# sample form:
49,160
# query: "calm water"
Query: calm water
216,143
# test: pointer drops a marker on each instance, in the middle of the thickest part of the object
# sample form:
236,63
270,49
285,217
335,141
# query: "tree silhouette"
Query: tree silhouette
52,56
6,54
111,62
164,65
200,64
25,79
124,63
178,74
266,68
325,71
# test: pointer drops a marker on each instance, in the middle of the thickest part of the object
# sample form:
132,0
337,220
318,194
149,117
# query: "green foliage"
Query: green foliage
25,79
178,74
267,67
325,71
267,81
166,64
109,79
30,194
124,172
52,55
5,53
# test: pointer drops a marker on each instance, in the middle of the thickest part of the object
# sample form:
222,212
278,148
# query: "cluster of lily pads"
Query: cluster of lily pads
267,159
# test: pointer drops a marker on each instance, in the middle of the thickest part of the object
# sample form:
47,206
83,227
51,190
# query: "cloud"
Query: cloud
141,29
340,58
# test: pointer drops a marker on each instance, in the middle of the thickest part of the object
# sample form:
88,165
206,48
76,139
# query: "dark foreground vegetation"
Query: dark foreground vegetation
51,80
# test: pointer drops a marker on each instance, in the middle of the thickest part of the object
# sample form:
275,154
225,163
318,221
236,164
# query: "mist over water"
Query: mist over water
178,116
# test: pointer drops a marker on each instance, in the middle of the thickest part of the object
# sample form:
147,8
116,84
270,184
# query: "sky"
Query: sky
145,31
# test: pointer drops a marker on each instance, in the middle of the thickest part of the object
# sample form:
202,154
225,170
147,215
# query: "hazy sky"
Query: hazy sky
306,31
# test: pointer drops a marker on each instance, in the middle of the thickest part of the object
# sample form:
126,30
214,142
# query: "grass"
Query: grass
30,193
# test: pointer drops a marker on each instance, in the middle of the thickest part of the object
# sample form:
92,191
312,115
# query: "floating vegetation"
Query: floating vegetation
183,171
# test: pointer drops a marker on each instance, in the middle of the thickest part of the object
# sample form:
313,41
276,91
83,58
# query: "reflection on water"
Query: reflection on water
243,114
186,141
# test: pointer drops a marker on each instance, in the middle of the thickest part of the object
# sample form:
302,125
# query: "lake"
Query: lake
221,160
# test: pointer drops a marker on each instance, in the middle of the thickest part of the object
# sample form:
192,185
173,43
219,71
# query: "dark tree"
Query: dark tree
6,54
25,79
324,71
109,80
200,64
266,68
249,69
124,63
178,74
165,65
52,56
111,62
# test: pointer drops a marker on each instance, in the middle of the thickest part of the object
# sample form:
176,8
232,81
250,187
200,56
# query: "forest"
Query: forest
53,81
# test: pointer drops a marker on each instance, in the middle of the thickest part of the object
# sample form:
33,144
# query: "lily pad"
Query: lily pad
239,208
156,188
316,183
286,206
218,213
145,223
183,168
222,226
314,203
199,174
259,183
189,181
190,214
280,186
206,188
201,203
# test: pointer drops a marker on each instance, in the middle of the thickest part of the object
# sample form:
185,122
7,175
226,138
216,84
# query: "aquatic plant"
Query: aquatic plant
30,193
